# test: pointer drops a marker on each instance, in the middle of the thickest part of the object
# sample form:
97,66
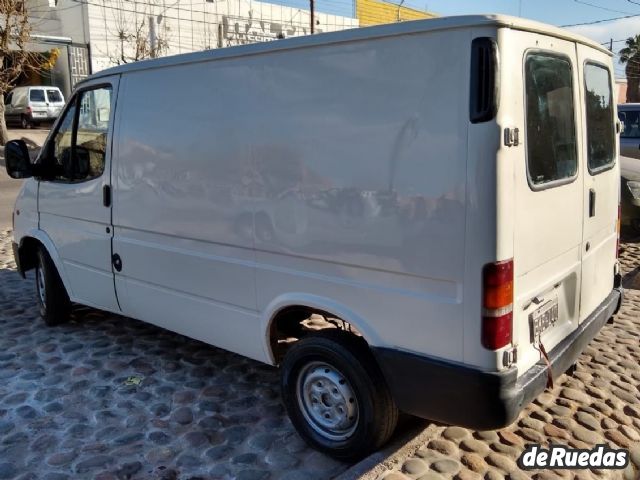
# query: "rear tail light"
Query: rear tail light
497,304
28,109
618,230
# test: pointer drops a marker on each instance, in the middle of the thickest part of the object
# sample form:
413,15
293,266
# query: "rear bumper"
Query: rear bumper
472,398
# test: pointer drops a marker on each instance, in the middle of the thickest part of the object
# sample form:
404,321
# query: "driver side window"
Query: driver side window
79,146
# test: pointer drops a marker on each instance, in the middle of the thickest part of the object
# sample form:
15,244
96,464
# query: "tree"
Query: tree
630,57
133,31
15,59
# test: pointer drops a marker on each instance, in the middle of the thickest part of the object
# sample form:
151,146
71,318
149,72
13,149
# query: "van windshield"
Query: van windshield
551,130
600,120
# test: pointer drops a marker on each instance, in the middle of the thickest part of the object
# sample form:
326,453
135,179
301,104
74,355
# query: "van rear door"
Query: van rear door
55,102
601,179
543,98
38,104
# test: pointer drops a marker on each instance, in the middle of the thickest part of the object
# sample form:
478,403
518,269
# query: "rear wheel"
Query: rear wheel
336,396
53,299
24,122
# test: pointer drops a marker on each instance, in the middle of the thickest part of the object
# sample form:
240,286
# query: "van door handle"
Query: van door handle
592,203
106,195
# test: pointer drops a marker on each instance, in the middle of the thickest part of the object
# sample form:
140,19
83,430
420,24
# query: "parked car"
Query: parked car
505,227
28,106
629,115
630,192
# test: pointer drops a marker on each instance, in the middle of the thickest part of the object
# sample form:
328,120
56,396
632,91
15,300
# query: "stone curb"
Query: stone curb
403,447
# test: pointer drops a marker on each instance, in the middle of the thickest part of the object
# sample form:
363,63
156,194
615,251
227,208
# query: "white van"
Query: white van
443,192
29,106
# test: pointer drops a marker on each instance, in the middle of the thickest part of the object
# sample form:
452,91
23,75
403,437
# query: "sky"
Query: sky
555,12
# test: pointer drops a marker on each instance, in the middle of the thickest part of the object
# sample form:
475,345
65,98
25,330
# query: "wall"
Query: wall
621,90
376,12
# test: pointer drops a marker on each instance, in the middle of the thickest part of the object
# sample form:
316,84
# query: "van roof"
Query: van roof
354,34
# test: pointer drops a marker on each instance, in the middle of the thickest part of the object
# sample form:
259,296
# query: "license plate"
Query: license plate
543,318
39,114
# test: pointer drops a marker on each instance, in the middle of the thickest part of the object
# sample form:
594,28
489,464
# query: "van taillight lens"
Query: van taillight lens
28,109
497,304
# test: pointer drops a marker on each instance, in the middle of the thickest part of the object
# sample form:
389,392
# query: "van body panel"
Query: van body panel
79,224
263,201
483,179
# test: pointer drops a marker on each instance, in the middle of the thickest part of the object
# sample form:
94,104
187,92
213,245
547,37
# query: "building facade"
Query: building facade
92,35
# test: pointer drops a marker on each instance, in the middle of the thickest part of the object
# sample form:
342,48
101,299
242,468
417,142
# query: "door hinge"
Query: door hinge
511,137
117,262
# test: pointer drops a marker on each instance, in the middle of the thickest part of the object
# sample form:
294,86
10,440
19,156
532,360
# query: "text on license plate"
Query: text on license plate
543,318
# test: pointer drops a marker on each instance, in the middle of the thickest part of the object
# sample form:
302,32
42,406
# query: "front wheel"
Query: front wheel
336,396
53,299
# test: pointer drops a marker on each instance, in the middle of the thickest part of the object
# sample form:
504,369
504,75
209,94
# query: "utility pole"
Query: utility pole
611,45
312,7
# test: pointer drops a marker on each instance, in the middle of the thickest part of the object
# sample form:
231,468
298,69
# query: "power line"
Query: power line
602,8
602,21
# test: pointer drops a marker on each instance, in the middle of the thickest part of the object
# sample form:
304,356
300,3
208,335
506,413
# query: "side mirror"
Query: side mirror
17,161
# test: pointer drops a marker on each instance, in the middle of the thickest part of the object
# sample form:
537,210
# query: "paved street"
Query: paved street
111,398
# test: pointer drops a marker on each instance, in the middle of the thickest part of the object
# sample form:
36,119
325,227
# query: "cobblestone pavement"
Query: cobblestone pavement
599,404
108,397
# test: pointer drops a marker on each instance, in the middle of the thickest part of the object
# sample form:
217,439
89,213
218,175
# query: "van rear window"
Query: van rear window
36,95
54,96
601,148
551,129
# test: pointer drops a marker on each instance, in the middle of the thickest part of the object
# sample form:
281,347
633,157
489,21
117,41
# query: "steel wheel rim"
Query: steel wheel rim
42,290
327,401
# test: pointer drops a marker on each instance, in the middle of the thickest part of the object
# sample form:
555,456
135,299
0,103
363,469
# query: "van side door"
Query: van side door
74,201
601,178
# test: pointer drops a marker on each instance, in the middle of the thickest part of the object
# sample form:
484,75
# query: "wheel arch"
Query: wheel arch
286,303
27,250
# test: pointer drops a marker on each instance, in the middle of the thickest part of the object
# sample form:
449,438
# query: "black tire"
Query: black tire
53,300
24,122
349,357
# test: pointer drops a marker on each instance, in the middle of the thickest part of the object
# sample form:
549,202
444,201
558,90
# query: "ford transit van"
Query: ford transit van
418,217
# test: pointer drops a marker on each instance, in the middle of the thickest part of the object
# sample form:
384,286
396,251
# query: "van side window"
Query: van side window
93,126
36,95
551,129
601,150
62,142
80,143
7,99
